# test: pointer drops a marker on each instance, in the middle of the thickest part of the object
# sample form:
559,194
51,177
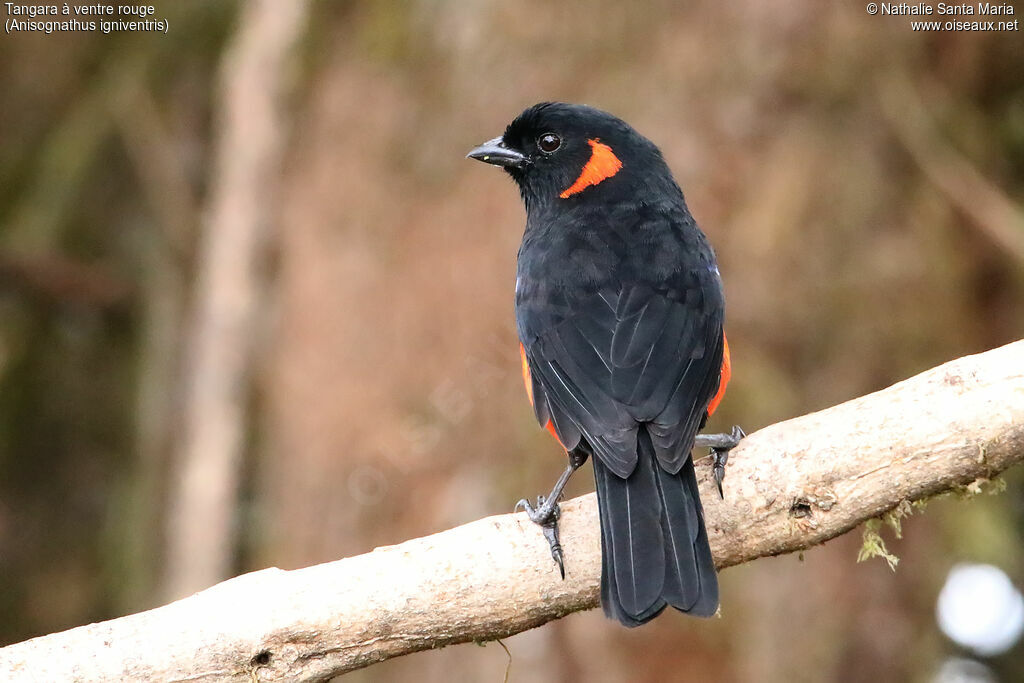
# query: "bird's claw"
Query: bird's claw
531,511
545,512
546,515
720,456
551,534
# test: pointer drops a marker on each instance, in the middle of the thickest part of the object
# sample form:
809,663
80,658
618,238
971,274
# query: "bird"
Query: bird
619,310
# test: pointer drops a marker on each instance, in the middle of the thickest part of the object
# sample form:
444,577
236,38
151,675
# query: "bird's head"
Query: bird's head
563,153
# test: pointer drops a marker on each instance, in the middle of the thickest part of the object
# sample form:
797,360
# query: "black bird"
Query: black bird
619,310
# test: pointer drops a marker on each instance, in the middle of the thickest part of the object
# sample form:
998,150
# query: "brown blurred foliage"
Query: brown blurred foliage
861,182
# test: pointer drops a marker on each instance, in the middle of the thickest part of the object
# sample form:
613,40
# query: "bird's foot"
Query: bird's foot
546,515
720,445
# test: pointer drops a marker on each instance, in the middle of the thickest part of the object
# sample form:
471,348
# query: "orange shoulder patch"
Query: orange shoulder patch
550,426
528,381
603,164
527,378
723,379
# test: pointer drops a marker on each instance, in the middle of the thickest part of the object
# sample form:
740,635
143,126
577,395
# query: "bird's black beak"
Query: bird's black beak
498,153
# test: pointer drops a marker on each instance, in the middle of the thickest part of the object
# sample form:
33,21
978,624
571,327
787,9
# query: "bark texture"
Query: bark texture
788,487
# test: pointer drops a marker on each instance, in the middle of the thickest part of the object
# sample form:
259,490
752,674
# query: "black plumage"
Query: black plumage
619,309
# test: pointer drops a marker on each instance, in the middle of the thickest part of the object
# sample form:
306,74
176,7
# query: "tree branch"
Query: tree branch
789,486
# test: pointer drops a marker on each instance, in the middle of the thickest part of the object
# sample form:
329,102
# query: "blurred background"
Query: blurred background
256,307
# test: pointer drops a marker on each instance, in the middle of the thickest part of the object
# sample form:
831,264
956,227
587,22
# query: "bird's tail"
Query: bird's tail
654,546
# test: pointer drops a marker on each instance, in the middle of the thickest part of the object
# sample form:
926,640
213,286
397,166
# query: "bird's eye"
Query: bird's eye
549,142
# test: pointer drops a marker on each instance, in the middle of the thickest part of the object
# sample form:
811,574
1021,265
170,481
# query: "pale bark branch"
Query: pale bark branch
789,486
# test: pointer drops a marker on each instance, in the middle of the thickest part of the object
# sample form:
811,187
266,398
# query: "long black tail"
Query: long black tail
654,546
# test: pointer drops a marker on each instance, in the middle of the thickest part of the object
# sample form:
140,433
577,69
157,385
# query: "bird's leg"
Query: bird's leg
720,445
547,512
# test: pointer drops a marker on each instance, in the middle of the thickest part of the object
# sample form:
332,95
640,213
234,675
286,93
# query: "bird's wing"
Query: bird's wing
625,356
